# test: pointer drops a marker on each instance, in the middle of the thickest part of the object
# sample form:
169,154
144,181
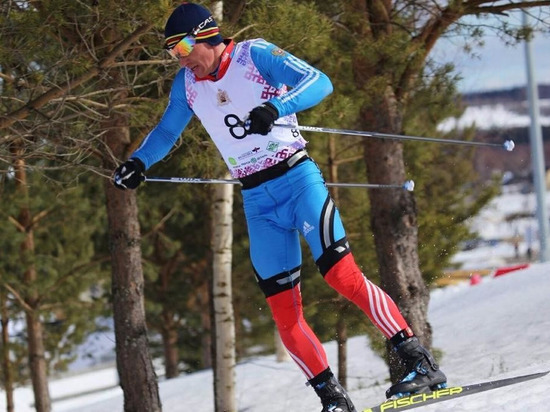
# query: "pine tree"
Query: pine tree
53,272
76,95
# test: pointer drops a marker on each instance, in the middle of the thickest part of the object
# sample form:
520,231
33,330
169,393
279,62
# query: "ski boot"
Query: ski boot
334,397
422,373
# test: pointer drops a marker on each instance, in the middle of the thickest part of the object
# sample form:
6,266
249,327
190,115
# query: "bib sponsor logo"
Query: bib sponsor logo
272,146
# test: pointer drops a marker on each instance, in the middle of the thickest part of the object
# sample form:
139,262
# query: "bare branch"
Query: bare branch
501,8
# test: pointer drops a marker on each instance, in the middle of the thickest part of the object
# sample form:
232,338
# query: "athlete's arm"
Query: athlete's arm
308,85
175,119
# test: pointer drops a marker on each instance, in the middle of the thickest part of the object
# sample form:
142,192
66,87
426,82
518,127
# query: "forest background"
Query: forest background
82,83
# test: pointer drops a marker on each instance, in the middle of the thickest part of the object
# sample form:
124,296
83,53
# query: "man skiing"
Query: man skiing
238,91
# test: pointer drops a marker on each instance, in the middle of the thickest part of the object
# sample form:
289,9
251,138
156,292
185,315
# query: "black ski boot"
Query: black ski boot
422,373
333,396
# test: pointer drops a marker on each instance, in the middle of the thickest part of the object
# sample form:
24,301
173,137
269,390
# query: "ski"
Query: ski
441,395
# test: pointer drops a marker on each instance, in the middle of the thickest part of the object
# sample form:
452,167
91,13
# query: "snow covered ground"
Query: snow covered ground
496,329
496,228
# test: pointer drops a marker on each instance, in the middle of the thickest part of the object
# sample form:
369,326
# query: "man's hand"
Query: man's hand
261,118
129,174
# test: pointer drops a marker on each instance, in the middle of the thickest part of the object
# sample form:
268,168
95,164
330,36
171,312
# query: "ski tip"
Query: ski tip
509,145
408,185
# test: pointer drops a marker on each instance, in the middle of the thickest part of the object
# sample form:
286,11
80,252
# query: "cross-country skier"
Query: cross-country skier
283,191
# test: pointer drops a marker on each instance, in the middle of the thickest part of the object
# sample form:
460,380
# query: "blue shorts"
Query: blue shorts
278,210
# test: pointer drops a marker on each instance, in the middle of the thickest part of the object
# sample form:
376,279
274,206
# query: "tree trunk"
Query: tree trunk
205,297
37,361
342,341
168,325
393,219
170,344
393,212
222,238
341,327
135,368
394,225
6,364
35,338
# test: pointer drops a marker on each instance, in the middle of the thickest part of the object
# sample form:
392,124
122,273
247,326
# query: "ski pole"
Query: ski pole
508,145
239,129
408,185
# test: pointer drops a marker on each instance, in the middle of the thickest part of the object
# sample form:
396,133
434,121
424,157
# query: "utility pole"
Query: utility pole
537,150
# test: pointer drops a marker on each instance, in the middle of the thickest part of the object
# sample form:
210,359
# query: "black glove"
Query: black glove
129,174
261,118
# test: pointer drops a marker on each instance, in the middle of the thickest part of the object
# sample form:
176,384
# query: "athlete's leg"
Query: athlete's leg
319,221
276,258
324,232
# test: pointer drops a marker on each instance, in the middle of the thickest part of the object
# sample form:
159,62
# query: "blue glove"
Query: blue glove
129,174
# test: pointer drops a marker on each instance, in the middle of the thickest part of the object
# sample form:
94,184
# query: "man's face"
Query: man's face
201,61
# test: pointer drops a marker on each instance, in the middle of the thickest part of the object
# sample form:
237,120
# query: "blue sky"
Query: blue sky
496,65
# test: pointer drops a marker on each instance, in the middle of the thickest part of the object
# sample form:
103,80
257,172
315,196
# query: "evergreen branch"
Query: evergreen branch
26,307
60,280
242,30
165,62
55,306
56,92
35,219
236,12
350,159
16,223
352,146
84,102
39,216
160,223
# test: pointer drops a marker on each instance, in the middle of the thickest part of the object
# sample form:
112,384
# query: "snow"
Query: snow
496,329
497,230
487,117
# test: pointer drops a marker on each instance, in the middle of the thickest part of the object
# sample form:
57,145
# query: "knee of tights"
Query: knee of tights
346,277
286,308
